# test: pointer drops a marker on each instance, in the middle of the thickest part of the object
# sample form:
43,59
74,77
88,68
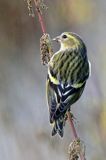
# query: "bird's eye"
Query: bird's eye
64,36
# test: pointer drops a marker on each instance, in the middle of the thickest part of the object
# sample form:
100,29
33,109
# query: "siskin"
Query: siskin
68,70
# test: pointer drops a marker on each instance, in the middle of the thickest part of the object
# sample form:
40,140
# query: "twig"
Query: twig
72,125
41,21
82,156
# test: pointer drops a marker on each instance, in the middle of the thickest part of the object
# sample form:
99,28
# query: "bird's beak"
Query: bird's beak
57,39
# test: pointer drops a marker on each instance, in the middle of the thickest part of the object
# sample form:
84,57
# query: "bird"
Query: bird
68,71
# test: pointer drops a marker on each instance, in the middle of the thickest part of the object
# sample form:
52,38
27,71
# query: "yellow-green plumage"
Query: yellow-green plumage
68,71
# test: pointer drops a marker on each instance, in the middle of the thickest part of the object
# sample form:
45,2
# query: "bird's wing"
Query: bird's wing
68,95
67,74
60,98
53,97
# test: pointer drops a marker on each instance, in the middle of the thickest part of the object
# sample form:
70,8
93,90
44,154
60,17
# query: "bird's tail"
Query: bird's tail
58,127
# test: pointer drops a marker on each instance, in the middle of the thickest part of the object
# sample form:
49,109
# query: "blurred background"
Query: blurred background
25,132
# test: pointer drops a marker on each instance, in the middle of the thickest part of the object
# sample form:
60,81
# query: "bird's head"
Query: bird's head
69,40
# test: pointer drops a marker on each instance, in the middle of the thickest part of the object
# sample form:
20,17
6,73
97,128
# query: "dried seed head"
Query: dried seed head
45,49
43,5
30,8
40,5
76,148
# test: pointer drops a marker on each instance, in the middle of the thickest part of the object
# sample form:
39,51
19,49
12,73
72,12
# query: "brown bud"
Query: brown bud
76,148
45,49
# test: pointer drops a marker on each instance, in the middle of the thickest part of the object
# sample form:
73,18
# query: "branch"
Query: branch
41,21
72,125
75,135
